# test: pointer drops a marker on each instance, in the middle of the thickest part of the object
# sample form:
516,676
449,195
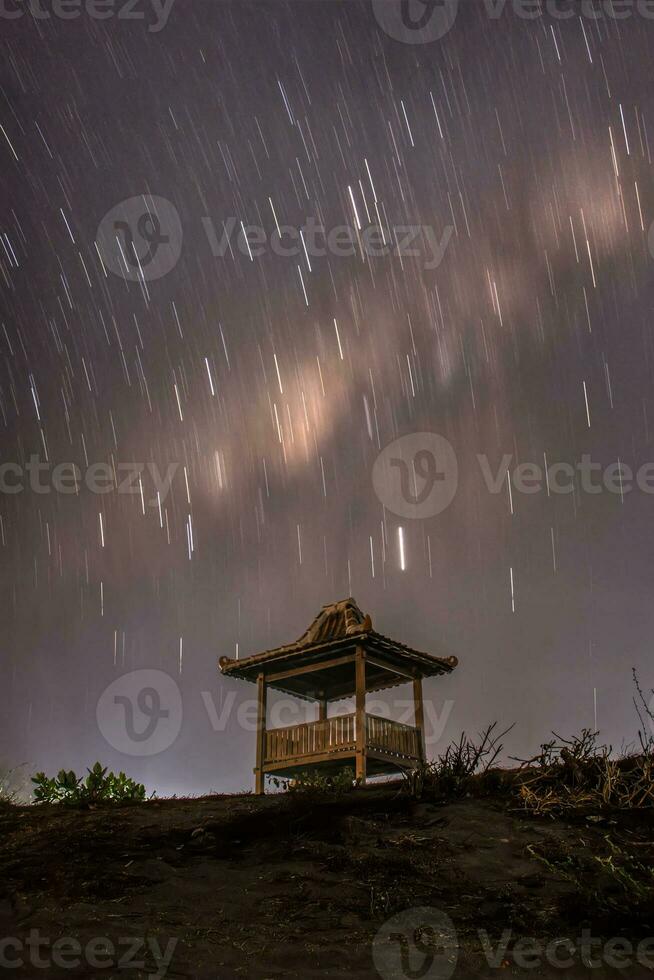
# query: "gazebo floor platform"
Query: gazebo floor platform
377,764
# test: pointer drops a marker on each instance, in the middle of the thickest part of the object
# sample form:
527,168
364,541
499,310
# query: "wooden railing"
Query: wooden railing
338,734
311,738
392,737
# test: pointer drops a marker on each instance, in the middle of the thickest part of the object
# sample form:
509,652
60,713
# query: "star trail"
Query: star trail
246,246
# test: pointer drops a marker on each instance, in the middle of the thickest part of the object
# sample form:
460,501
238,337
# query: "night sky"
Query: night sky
270,383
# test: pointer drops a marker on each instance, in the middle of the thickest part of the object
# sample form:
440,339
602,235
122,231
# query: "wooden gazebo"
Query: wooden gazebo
339,656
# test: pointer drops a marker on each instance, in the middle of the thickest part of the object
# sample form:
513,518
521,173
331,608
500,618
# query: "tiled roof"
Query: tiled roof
337,621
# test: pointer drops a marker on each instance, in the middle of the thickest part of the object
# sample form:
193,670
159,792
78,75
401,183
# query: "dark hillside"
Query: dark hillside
289,887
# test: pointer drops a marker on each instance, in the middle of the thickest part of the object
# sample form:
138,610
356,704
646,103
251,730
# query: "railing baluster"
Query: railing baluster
318,737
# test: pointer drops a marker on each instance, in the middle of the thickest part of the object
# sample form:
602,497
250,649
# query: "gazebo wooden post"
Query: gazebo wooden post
322,707
261,733
419,715
360,715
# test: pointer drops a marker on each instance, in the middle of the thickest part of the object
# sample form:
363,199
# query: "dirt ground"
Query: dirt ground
240,886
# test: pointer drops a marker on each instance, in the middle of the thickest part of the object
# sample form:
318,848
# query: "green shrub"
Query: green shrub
99,786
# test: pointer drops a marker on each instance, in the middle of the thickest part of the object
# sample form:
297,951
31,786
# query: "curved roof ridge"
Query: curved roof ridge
335,620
